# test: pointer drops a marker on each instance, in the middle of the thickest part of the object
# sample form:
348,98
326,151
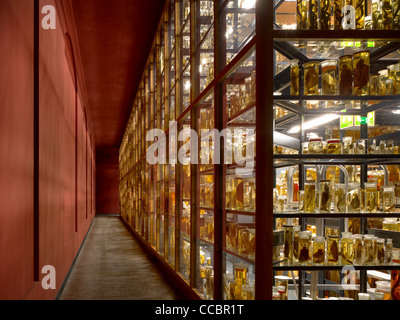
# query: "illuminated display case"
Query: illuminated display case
326,113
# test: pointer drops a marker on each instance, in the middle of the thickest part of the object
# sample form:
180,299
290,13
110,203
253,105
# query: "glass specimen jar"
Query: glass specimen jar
353,197
358,249
304,247
311,78
282,292
329,77
380,243
334,146
324,14
361,146
345,69
359,6
340,198
385,288
333,249
296,242
337,14
304,147
313,14
376,15
389,251
371,148
301,15
371,197
275,294
347,248
368,23
301,200
288,242
379,296
368,249
253,86
390,147
294,78
241,274
325,196
348,145
315,145
387,14
375,247
374,85
388,199
382,147
318,256
361,66
309,196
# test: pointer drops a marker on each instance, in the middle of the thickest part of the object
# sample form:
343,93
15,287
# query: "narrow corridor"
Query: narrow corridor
113,266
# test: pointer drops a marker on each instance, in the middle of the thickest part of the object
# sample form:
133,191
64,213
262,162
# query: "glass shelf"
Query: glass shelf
281,265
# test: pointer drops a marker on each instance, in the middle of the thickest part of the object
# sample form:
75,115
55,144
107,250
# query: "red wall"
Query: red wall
66,205
107,184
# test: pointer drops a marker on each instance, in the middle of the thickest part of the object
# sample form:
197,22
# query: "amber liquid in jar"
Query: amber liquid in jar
304,248
359,6
333,249
368,249
345,67
361,66
311,78
294,78
309,197
337,14
347,250
340,199
288,242
371,197
329,77
325,196
301,15
387,14
318,250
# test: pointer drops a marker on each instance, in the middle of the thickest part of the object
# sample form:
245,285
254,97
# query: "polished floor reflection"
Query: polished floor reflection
113,266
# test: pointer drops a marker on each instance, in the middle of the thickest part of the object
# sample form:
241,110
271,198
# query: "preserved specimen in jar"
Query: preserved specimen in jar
294,78
345,67
361,65
325,198
311,77
329,77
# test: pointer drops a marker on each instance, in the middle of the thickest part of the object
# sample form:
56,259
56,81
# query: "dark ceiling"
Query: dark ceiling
115,37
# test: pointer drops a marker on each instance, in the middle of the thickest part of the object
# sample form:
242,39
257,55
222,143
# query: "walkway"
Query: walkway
113,266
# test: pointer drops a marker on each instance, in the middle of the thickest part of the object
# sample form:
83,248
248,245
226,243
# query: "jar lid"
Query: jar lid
380,240
379,295
333,141
383,286
357,236
315,139
319,239
368,236
345,298
346,235
363,296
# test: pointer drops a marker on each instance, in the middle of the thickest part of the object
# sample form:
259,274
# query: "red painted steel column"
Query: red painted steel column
264,147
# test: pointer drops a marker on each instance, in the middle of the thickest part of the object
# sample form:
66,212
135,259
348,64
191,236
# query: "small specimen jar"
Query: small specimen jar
376,15
353,197
388,199
301,200
288,242
311,78
380,243
374,85
294,78
315,146
340,198
304,247
329,77
347,248
360,147
301,14
296,243
371,147
387,14
371,197
309,196
368,249
358,249
345,69
318,256
348,145
333,249
325,196
334,146
361,66
304,147
389,251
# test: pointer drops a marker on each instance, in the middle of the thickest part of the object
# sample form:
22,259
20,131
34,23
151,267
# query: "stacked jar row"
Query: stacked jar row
357,249
347,14
349,75
342,198
241,95
362,146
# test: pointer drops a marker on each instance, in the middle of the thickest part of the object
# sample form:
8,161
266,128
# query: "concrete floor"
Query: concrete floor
113,266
